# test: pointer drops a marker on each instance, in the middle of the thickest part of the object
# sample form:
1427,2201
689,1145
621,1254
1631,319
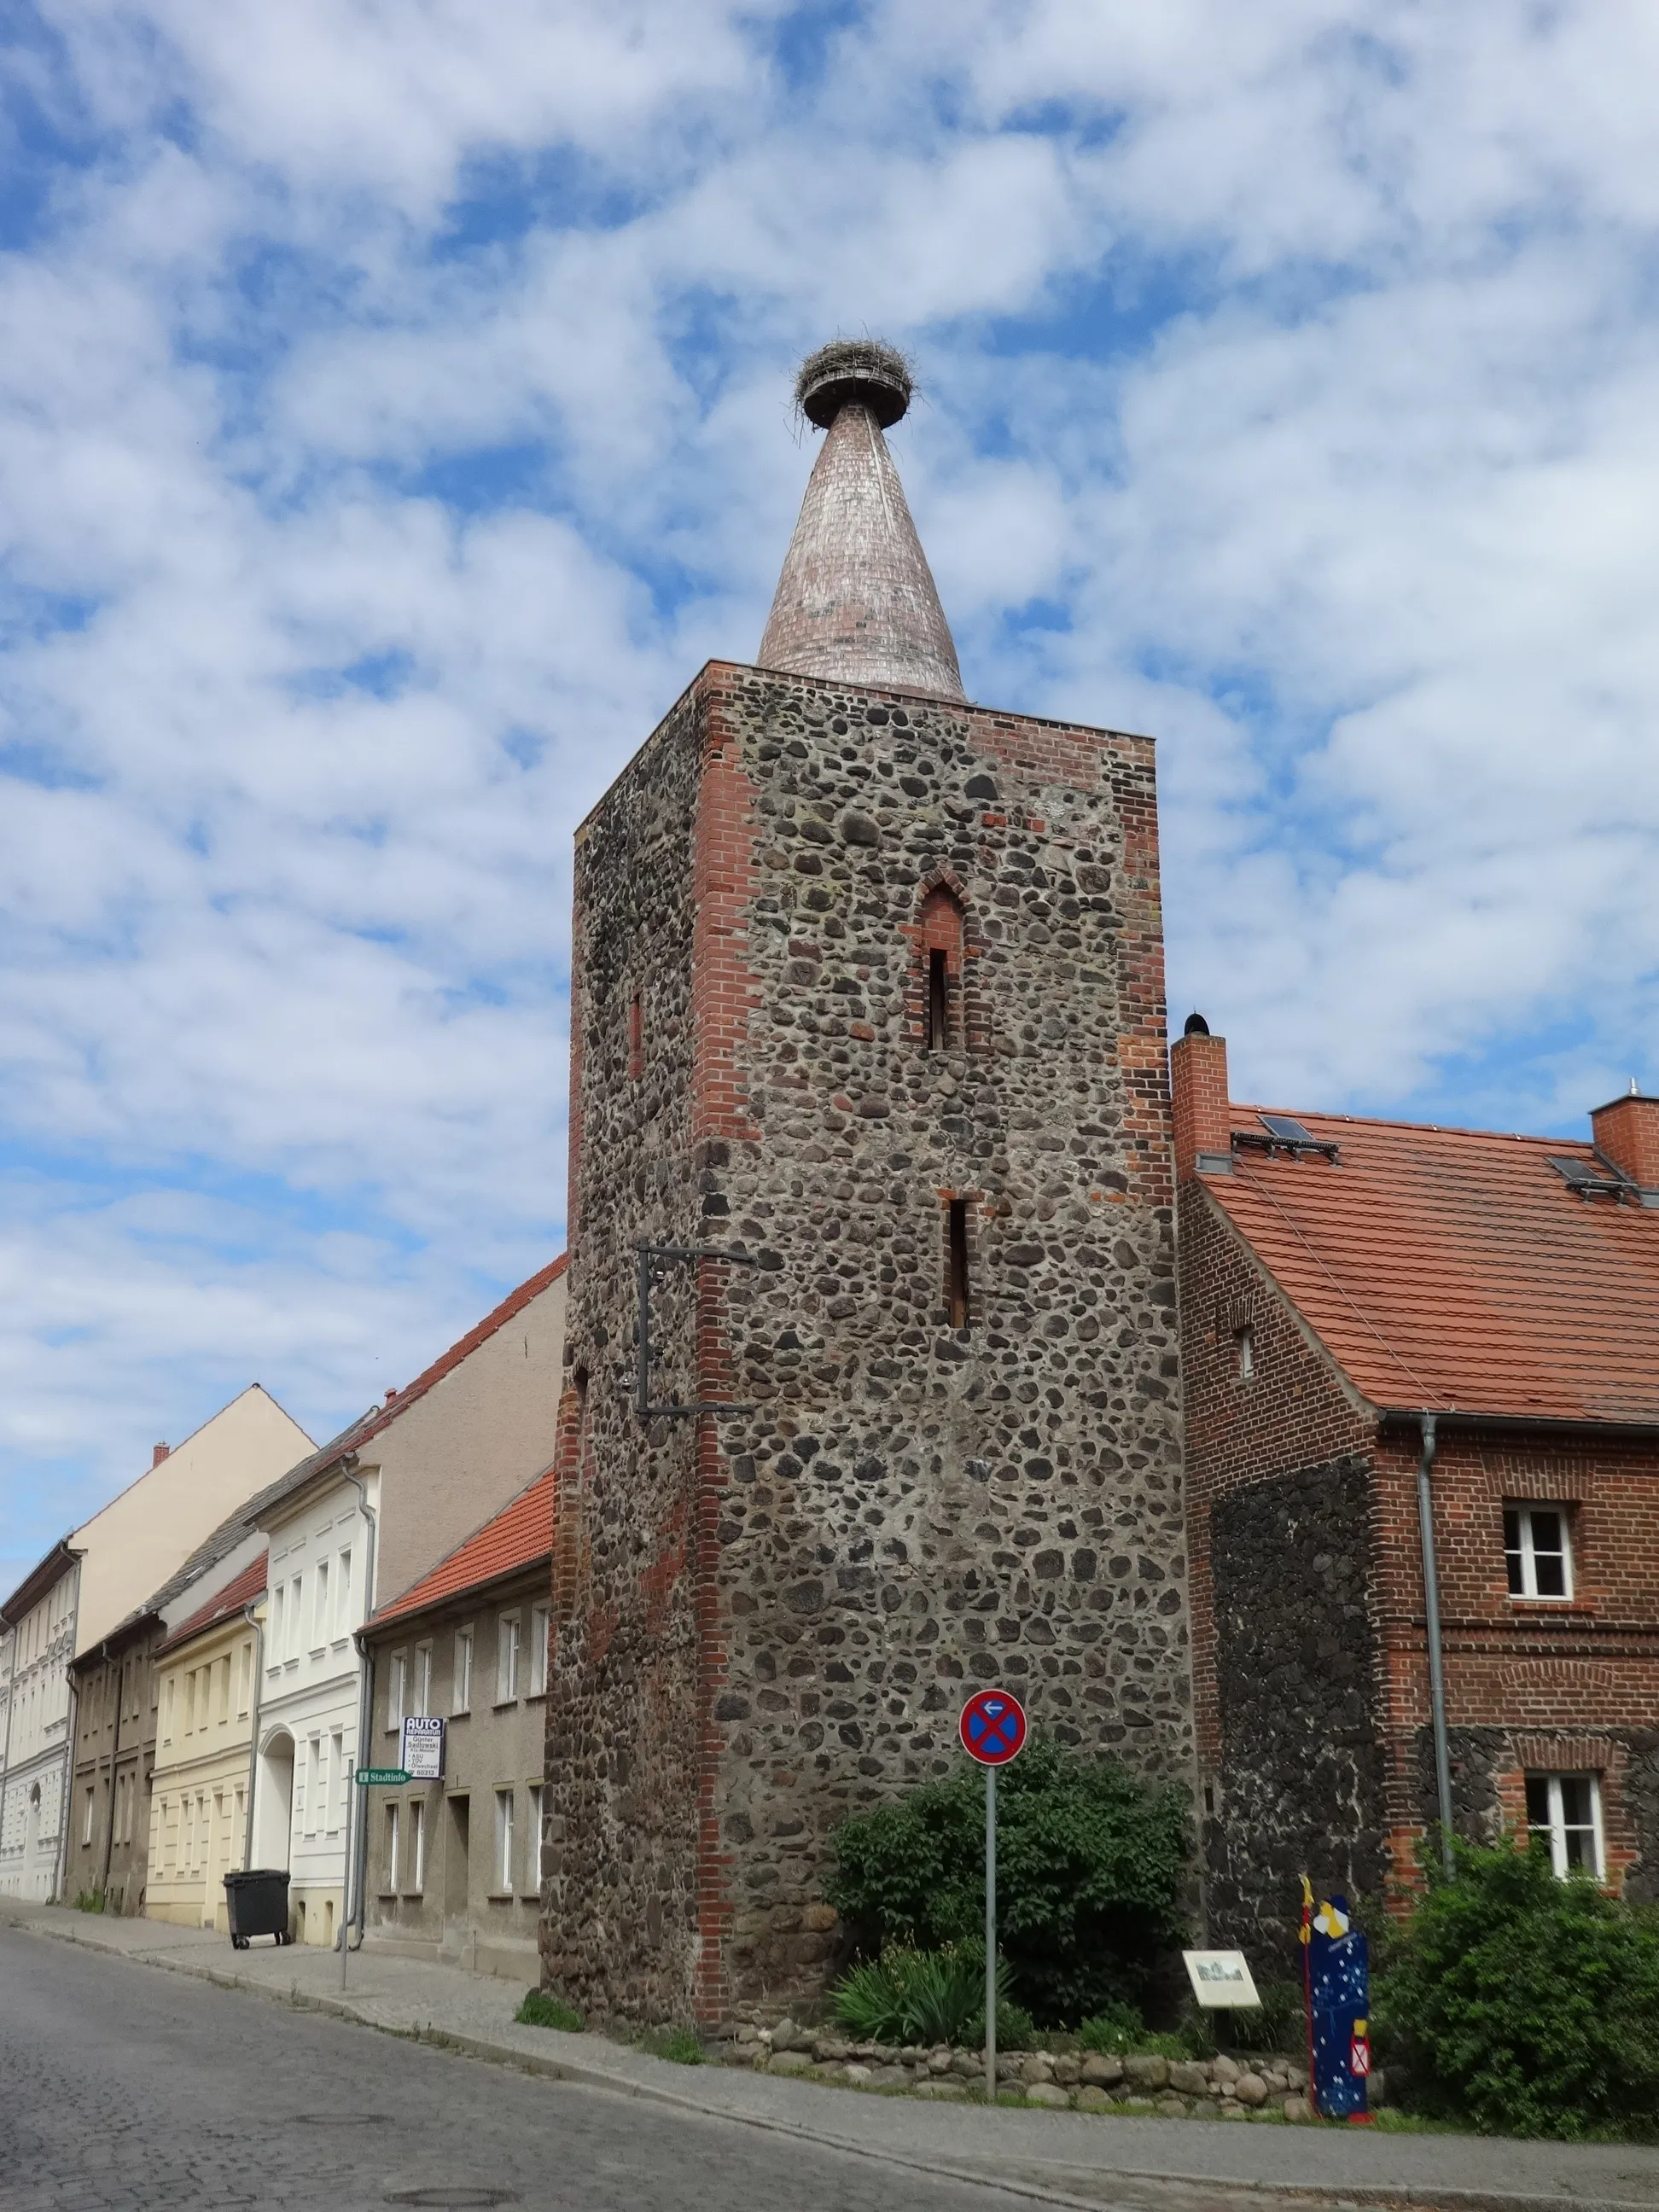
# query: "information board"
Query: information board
424,1747
1220,1979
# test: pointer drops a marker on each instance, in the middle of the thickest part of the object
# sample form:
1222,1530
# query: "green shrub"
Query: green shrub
1115,2029
679,2044
1528,2005
540,2010
90,1901
1091,1872
906,1995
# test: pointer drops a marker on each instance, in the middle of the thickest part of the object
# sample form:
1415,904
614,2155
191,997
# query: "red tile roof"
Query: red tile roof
519,1536
248,1585
1455,1269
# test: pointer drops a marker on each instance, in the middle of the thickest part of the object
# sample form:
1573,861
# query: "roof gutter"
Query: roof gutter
1587,1428
356,1865
1431,1610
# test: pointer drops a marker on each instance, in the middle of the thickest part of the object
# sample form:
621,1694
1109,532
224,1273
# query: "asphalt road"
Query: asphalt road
125,2089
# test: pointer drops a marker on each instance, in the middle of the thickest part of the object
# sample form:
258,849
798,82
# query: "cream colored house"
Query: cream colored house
207,1676
90,1585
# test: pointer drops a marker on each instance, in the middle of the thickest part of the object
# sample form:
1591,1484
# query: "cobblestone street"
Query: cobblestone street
209,2097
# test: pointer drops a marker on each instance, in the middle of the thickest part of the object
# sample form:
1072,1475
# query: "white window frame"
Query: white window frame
296,1592
461,1688
393,1844
314,1826
320,1627
339,1781
505,1806
417,1846
538,1807
509,1657
278,1624
1556,1830
540,1625
396,1690
342,1594
422,1679
1244,1344
1529,1592
86,1825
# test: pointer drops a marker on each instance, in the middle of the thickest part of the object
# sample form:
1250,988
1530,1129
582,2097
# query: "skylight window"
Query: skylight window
1286,1128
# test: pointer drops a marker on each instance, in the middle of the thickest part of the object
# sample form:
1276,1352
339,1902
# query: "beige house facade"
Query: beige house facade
455,1863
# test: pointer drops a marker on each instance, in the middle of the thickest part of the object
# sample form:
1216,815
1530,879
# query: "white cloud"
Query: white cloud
1296,364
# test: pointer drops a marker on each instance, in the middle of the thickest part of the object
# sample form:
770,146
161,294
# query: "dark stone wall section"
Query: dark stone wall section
1300,1784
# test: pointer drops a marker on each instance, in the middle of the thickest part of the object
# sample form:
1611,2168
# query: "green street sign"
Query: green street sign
366,1775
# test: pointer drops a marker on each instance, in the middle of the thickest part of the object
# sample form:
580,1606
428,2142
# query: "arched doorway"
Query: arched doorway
273,1801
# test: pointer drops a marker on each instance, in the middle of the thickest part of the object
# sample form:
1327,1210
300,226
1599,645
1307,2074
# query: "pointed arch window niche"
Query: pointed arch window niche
939,996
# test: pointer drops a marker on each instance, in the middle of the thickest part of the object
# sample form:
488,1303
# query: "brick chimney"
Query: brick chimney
1203,1116
158,1452
1626,1132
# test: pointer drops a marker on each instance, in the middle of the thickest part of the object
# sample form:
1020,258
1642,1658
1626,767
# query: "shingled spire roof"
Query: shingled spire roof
856,599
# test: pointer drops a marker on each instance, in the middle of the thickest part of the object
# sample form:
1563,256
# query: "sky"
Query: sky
394,414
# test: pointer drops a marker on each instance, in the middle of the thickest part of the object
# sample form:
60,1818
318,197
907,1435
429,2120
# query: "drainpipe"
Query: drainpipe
1436,1672
357,1821
257,1626
114,1756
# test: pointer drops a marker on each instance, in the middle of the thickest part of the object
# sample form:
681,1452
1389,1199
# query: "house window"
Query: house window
1536,1552
938,1001
539,1617
224,1687
314,1786
538,1790
320,1614
1565,1810
422,1703
167,1711
295,1592
1245,1343
635,1038
190,1701
463,1699
417,1847
504,1839
245,1680
342,1783
507,1658
278,1603
86,1823
394,1841
397,1678
343,1593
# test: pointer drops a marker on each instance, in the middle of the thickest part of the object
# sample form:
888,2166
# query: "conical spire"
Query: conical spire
857,599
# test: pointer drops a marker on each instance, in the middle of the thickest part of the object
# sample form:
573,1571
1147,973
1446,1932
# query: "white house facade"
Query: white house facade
367,1516
39,1619
320,1566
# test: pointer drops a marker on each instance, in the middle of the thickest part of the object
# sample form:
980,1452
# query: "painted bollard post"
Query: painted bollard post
1338,1983
993,1731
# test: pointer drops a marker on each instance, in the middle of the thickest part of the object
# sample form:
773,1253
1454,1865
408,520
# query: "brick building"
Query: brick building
1367,1306
867,988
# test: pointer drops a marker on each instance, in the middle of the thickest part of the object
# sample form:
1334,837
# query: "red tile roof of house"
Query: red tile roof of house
248,1585
519,1536
1455,1269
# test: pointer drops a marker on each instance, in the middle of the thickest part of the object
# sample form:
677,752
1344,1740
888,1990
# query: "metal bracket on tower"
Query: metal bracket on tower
651,1256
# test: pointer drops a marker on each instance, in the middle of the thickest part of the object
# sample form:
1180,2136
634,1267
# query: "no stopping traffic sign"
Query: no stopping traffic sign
992,1728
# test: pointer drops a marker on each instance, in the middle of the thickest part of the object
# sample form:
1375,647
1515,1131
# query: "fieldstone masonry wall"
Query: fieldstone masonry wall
1300,1774
772,1617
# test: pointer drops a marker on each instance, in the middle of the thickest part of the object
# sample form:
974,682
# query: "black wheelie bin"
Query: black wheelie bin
255,1901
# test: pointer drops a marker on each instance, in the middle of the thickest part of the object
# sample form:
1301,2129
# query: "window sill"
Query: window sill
536,1697
503,1704
499,1897
413,1896
1556,1605
462,1713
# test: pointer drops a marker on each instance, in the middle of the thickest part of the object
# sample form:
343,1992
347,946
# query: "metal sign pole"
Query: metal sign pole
990,1934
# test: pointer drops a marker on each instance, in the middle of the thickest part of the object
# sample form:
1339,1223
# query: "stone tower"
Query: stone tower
866,991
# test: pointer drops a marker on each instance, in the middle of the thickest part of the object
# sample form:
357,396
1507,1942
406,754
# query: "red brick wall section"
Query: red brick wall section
1513,1665
1203,1115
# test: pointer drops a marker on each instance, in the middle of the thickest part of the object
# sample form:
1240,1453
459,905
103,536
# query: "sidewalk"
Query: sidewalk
1068,2158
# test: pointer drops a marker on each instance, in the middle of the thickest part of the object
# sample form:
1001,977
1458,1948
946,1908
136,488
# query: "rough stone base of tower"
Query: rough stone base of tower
870,987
